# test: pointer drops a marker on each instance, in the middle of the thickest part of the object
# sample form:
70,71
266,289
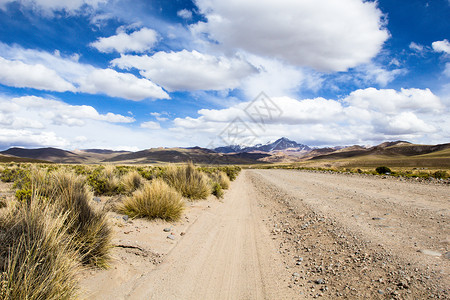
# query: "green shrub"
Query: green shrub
154,200
440,174
104,181
232,171
217,190
383,170
190,182
37,260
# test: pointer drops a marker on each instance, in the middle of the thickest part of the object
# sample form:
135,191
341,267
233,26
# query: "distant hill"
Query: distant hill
47,154
391,149
11,158
281,144
177,155
104,151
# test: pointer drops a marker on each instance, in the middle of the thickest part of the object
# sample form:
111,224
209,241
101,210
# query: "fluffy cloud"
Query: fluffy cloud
388,101
27,138
37,110
188,71
324,34
138,41
364,116
115,84
276,78
441,46
36,121
69,74
19,74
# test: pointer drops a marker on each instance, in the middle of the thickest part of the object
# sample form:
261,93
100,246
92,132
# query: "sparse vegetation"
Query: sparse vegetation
154,200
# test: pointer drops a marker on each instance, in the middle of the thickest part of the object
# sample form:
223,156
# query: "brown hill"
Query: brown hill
46,154
178,155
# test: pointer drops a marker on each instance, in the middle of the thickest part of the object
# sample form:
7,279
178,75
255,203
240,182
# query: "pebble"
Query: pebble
97,199
377,218
171,236
381,292
430,252
125,218
447,255
167,229
319,281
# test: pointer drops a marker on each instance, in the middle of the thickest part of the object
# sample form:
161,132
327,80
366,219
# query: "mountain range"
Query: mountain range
282,144
282,150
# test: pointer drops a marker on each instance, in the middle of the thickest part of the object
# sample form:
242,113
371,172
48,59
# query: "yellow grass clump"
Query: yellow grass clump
154,200
89,227
190,182
131,181
37,258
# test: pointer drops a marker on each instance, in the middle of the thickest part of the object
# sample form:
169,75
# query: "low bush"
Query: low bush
154,200
217,190
37,260
189,181
382,170
104,181
440,174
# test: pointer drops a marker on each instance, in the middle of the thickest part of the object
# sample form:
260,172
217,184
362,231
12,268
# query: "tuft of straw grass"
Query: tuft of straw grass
37,260
189,181
89,227
154,200
131,181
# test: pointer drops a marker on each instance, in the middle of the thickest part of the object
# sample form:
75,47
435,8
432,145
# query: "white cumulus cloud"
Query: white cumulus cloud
324,34
65,73
188,70
364,117
18,74
441,46
124,85
138,41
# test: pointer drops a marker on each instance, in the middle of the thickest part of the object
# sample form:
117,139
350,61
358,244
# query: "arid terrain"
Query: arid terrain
285,234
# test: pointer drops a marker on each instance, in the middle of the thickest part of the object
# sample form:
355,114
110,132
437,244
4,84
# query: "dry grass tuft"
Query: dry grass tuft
154,200
37,260
131,181
90,228
190,182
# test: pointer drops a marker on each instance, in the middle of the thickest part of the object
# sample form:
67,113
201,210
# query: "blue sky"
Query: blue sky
138,74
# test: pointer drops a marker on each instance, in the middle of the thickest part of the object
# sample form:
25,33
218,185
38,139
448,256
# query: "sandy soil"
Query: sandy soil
283,234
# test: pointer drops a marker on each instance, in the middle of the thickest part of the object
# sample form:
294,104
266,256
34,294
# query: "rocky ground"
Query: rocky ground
348,236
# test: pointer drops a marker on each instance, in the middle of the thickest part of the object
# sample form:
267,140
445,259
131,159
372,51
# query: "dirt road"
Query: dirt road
282,234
